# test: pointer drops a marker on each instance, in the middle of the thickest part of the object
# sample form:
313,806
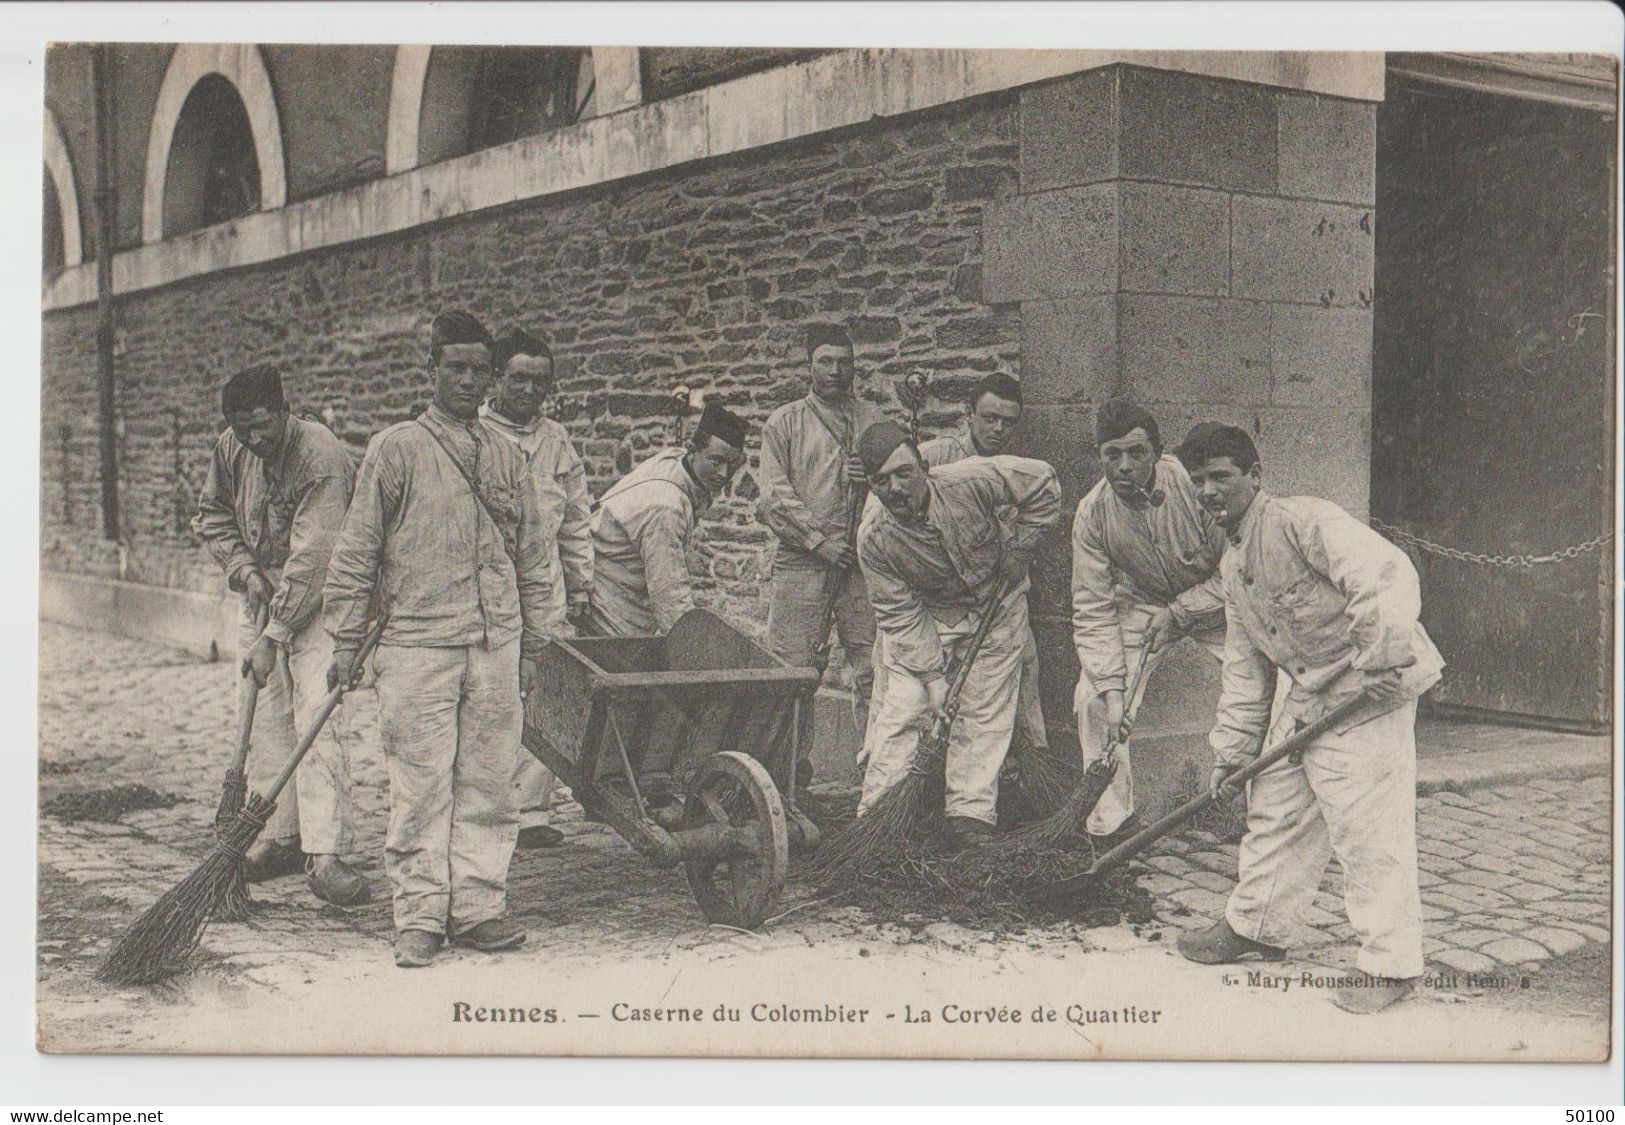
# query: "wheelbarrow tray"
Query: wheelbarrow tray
629,722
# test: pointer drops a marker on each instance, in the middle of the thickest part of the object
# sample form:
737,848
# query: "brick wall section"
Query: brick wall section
1205,246
703,277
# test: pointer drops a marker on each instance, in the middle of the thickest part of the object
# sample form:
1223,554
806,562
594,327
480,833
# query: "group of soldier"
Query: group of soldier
470,534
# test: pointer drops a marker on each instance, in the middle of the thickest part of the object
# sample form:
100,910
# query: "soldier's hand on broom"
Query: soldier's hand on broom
935,712
260,660
1112,700
527,675
342,670
1162,630
1219,785
258,589
836,555
856,475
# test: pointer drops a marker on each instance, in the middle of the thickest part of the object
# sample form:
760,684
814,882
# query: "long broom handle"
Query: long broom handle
245,706
826,624
1144,838
330,703
1130,711
961,670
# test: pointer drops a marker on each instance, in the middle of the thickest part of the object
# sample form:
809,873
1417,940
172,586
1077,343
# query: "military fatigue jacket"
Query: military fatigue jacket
1135,553
1312,591
950,559
418,542
279,517
640,534
805,495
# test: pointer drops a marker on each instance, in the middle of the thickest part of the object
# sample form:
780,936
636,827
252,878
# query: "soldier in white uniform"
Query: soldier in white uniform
1145,561
640,533
933,554
524,376
1315,595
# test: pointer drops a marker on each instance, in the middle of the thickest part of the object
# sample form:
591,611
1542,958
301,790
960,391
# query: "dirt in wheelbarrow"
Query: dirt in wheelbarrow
928,884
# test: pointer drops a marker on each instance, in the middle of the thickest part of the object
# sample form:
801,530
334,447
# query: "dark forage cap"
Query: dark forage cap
458,327
878,443
260,385
719,421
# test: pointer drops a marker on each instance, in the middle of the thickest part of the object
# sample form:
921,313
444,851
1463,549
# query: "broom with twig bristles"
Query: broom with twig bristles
1026,851
881,834
234,899
161,942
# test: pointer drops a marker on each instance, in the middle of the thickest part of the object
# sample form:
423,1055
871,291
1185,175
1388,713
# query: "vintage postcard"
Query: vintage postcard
861,552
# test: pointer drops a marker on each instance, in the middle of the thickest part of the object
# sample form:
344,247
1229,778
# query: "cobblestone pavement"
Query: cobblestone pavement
1511,877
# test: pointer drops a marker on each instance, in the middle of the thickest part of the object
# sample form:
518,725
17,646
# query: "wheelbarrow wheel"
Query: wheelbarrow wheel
741,888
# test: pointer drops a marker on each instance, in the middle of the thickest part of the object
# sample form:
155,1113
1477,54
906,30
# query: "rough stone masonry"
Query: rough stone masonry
702,277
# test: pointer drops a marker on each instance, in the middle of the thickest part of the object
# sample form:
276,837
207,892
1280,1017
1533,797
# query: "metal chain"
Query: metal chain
1515,562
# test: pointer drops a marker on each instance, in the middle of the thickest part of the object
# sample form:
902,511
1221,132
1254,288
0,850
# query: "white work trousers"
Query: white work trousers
1029,708
1353,796
451,721
314,808
979,738
1117,804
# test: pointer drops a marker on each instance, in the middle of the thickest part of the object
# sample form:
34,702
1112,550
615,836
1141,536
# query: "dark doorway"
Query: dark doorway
1493,384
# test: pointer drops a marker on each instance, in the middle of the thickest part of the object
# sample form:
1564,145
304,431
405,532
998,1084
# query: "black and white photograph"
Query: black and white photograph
833,552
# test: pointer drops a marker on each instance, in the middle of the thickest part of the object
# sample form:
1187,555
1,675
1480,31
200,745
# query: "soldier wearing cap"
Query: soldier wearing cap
640,532
1145,572
269,512
445,538
812,485
524,376
934,554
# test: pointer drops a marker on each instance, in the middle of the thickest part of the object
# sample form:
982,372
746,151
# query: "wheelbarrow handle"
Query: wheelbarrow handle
1285,749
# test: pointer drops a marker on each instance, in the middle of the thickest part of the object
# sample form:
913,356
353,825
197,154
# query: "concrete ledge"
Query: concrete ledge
832,91
204,624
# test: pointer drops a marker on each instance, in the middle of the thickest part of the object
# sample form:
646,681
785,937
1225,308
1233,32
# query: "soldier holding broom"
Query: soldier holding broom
934,555
1144,573
811,481
270,509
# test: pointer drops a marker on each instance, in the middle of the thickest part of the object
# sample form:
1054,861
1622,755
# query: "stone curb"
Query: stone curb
1476,769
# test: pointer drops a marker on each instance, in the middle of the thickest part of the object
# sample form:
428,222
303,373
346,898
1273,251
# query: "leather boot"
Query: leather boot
1375,994
416,948
492,936
967,831
270,859
1220,945
331,881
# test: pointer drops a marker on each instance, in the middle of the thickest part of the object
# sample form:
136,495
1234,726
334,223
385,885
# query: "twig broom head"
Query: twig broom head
1043,781
1042,847
160,943
235,902
879,837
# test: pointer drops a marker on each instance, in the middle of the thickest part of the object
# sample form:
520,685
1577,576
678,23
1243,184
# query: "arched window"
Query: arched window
213,174
214,149
54,255
61,241
480,97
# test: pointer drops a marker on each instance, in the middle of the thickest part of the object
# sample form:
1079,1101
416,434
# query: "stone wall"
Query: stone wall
702,277
1206,246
